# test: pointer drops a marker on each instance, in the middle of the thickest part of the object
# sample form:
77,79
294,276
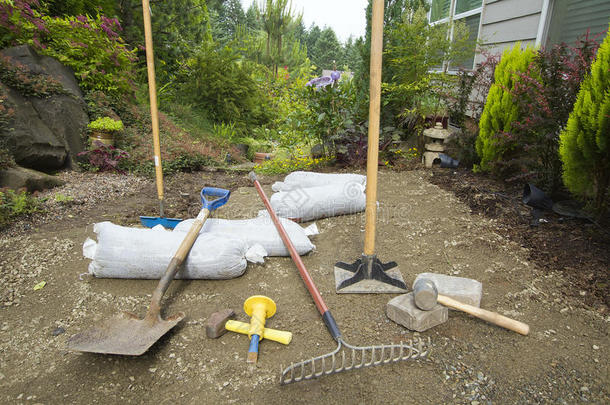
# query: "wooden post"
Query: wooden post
152,91
373,141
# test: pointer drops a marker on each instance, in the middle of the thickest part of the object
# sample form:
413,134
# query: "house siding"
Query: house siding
506,22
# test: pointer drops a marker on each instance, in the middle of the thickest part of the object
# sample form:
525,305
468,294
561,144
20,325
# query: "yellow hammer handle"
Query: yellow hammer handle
279,336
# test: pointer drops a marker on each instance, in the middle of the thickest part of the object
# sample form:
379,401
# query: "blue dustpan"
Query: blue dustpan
169,223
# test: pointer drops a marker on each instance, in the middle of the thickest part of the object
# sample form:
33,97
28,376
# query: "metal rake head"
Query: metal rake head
357,357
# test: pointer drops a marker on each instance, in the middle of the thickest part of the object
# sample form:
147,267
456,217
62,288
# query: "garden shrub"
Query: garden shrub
14,204
585,143
91,46
545,96
217,82
500,108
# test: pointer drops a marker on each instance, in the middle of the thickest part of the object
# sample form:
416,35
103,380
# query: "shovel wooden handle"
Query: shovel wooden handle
489,316
174,264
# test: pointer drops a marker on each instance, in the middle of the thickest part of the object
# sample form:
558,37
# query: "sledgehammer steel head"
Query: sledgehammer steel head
425,294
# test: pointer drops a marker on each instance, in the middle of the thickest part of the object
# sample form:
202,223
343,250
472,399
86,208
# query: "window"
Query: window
467,11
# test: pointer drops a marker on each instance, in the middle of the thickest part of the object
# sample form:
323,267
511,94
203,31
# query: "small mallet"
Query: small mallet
426,297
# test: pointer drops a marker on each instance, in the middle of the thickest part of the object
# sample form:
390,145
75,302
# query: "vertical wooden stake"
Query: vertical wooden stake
152,91
373,141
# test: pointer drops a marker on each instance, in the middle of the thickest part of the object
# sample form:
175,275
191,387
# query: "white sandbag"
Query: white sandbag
123,252
260,230
297,180
306,204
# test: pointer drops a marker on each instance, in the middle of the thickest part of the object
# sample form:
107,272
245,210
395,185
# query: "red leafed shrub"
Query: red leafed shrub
545,95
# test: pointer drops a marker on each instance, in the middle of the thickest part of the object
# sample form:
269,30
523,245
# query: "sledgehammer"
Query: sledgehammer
426,297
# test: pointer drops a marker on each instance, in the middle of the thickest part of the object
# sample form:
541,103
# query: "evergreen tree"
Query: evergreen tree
327,50
252,21
500,110
585,143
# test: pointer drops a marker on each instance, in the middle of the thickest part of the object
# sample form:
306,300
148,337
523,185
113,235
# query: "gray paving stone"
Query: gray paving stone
403,311
464,290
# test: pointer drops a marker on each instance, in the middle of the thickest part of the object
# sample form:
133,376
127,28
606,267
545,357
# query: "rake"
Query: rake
336,361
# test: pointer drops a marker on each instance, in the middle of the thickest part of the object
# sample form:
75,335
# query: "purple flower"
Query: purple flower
81,18
335,75
320,81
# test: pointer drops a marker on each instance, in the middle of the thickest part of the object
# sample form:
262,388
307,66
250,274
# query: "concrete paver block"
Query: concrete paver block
403,311
464,290
215,327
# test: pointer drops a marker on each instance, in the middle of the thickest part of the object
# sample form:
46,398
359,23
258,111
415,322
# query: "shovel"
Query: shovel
150,222
129,335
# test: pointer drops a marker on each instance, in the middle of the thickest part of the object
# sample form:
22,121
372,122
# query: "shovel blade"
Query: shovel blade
126,335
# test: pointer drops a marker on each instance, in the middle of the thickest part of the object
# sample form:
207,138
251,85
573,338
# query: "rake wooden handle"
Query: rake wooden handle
489,316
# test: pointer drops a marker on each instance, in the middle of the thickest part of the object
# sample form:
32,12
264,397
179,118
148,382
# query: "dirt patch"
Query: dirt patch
578,248
421,226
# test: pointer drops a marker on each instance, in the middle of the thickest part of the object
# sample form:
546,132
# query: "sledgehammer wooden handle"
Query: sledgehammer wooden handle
492,317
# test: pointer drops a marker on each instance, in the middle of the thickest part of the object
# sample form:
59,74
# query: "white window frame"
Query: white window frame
454,17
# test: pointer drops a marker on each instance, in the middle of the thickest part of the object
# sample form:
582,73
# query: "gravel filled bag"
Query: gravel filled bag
123,252
296,180
260,230
307,204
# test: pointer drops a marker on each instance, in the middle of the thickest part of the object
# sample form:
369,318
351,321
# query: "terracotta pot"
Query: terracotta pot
103,137
260,157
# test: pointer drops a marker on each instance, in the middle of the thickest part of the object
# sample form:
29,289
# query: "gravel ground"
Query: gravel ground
564,359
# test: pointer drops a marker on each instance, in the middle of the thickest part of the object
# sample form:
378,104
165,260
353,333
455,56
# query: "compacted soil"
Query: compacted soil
559,288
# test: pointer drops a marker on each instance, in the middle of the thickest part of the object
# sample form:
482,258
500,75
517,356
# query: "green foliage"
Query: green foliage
296,162
255,145
63,199
413,86
585,143
14,204
92,47
178,27
106,124
80,7
229,94
6,159
500,109
328,111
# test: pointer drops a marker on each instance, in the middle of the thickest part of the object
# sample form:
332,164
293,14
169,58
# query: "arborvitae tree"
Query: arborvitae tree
500,111
585,143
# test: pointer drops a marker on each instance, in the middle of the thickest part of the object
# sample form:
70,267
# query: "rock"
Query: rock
19,177
58,331
317,151
46,132
27,56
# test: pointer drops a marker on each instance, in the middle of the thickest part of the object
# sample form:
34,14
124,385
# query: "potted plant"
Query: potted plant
104,130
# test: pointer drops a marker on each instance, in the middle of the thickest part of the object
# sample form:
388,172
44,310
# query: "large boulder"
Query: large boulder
47,133
20,177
